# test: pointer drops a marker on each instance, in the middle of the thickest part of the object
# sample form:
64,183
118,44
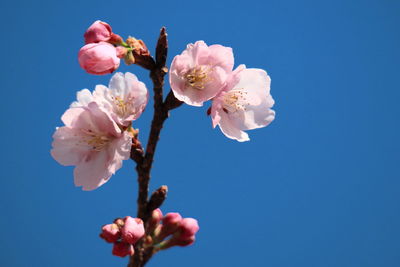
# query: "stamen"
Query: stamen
234,101
122,107
198,77
96,141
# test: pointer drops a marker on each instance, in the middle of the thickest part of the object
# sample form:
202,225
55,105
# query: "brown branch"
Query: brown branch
144,163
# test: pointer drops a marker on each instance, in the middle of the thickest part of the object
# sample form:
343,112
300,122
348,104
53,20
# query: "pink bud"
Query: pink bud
171,223
115,39
172,219
122,249
188,228
98,58
99,31
133,230
110,233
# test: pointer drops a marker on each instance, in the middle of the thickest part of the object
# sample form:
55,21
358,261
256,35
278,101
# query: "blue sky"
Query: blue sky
318,187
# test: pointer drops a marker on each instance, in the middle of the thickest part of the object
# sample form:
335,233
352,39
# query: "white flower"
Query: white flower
124,99
244,104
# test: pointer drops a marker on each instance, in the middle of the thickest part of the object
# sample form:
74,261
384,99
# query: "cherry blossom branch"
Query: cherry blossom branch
101,122
145,161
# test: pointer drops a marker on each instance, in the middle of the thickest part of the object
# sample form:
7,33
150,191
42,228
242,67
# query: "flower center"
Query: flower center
198,76
122,107
234,101
96,141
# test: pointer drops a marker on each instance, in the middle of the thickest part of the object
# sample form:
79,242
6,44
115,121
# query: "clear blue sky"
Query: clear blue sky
319,187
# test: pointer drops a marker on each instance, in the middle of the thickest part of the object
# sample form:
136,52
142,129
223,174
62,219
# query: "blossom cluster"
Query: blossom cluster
241,98
103,49
171,230
123,233
97,135
162,232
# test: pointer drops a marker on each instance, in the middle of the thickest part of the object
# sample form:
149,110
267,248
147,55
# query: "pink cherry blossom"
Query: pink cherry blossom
124,99
200,72
99,31
98,58
244,104
132,230
93,142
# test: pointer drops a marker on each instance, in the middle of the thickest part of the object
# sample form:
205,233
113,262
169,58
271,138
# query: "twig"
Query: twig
144,163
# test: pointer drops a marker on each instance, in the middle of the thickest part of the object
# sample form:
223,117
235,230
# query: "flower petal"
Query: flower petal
67,149
221,56
84,97
230,130
93,171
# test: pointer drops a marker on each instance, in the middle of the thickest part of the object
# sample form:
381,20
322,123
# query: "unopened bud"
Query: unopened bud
133,230
98,58
110,233
122,249
116,39
188,228
171,223
99,31
185,235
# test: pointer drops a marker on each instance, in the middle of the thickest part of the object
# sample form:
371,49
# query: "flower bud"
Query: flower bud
99,31
110,233
133,230
116,39
98,58
122,249
188,228
170,224
184,236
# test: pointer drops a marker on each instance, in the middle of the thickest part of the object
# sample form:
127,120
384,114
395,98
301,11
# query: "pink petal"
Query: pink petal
230,130
119,150
93,171
66,149
221,56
